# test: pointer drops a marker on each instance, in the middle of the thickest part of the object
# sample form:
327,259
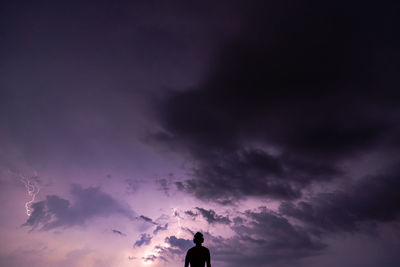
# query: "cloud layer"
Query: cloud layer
283,107
371,200
88,203
300,107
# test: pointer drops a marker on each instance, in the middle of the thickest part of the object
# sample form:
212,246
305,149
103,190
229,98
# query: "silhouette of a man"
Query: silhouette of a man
198,255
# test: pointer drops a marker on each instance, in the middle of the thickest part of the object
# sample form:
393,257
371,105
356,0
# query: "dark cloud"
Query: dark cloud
255,173
179,244
261,238
145,239
149,258
88,203
118,232
212,217
160,228
177,249
276,232
291,96
147,219
264,238
374,199
191,213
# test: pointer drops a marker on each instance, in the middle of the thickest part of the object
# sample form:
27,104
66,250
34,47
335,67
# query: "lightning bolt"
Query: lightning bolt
32,187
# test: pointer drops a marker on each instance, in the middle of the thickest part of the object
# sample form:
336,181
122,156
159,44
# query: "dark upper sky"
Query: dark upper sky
272,127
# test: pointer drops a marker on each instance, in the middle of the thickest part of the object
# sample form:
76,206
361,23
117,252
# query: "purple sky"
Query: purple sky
271,127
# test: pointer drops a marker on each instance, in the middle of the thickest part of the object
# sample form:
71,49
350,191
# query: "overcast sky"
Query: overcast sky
273,127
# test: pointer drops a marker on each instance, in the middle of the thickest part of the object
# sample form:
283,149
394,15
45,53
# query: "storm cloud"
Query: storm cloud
178,245
261,237
88,203
283,106
212,217
372,200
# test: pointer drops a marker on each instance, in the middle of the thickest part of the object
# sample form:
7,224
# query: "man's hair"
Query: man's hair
198,238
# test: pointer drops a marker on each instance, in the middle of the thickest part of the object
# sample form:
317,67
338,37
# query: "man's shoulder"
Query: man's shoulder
206,250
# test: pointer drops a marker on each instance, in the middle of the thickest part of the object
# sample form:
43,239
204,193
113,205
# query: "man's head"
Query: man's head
198,238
